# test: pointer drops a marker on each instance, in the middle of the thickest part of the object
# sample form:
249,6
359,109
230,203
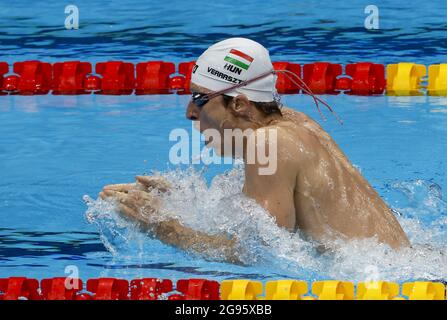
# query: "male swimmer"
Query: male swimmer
315,189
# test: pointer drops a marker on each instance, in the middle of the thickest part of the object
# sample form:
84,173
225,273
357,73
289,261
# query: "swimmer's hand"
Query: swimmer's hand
137,203
133,202
144,183
154,182
134,199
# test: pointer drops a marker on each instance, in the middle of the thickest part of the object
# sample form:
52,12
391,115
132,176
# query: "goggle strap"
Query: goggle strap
302,85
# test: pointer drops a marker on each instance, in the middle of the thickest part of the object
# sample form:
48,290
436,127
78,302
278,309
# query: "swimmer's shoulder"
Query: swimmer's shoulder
304,124
297,117
287,141
294,124
293,129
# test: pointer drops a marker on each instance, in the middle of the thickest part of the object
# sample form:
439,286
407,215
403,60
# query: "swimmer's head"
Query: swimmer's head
232,61
223,66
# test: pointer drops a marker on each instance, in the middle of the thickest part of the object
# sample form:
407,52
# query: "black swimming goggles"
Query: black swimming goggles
200,99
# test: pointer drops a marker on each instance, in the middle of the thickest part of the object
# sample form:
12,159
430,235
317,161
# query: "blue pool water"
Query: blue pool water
56,152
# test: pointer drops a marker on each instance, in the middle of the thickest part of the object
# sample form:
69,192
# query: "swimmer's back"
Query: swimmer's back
332,199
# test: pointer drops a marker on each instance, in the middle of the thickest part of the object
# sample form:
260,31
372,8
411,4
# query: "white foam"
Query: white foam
223,208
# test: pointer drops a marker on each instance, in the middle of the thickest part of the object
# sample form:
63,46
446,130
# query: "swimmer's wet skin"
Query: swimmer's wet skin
315,188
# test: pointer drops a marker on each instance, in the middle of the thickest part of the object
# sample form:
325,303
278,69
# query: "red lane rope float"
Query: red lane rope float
3,70
16,288
154,77
149,288
71,77
367,78
60,288
57,289
321,77
159,77
196,289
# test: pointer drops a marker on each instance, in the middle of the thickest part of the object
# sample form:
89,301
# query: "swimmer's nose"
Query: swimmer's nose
192,111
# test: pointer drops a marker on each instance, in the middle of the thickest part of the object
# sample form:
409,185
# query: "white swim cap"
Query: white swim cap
232,61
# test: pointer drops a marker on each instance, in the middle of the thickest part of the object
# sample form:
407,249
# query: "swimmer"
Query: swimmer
315,189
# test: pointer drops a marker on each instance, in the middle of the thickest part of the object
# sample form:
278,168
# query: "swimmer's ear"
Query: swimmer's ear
241,106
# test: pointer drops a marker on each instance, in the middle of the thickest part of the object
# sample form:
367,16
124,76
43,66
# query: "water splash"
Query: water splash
423,199
221,207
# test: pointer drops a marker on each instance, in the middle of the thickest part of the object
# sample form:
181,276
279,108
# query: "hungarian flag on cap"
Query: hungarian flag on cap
239,59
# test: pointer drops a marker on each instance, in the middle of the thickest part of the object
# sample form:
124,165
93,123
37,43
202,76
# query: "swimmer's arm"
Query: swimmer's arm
274,192
274,196
138,205
173,233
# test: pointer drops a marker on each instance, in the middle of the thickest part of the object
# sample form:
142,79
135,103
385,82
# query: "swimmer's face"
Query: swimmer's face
209,115
216,115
